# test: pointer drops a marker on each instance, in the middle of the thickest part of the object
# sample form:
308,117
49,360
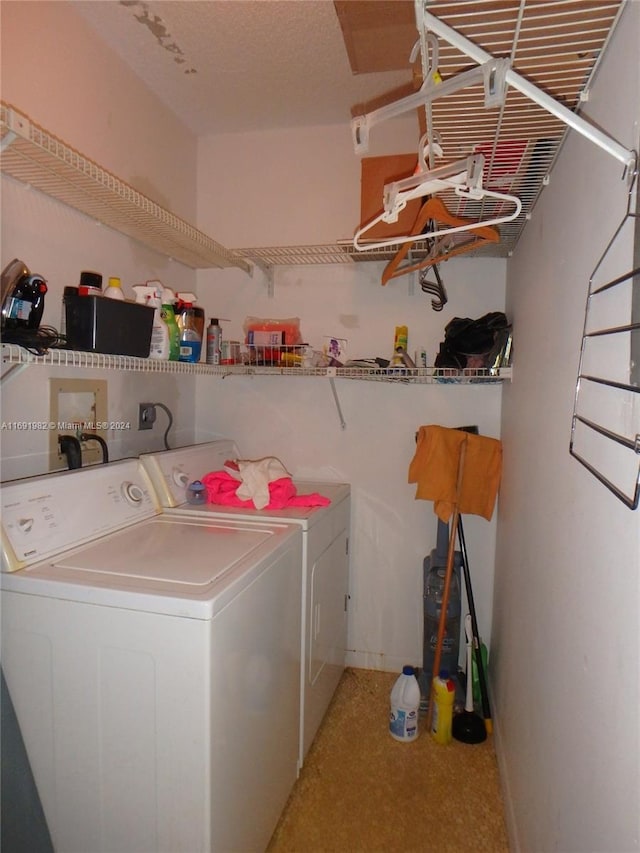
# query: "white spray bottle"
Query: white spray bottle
149,294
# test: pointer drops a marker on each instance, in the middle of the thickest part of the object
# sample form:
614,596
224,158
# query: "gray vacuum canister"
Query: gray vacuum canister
434,570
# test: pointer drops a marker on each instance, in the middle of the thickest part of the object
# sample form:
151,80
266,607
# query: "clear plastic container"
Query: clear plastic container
405,704
196,493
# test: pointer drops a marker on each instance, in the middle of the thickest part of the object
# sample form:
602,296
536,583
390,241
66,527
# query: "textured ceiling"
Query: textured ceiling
240,65
236,65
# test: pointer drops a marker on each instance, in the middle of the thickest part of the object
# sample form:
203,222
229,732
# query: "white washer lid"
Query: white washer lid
184,553
170,565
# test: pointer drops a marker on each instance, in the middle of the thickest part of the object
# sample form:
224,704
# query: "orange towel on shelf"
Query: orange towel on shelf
434,468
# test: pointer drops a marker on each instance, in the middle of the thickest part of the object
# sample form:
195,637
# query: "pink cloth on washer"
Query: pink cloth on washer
222,487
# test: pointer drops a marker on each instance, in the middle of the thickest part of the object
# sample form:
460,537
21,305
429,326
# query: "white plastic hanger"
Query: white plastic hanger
466,184
467,173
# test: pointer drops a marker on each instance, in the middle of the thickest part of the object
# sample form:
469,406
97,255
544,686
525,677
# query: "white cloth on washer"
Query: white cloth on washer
256,476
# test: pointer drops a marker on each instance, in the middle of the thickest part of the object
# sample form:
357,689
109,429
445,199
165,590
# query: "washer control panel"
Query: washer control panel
45,515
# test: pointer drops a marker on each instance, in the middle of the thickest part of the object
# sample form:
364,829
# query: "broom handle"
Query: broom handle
477,647
447,581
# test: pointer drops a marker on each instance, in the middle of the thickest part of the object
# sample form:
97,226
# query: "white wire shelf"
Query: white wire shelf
343,252
38,159
13,354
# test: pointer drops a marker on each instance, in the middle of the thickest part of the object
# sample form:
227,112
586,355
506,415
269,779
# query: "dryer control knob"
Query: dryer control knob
180,478
132,493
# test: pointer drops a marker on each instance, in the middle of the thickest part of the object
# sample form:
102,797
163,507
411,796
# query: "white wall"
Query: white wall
56,71
302,187
565,637
289,188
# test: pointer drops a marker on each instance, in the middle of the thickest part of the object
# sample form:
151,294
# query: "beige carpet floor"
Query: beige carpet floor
361,791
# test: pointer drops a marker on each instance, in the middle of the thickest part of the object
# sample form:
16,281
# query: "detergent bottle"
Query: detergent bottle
405,704
444,692
168,316
190,327
183,298
114,290
190,340
148,294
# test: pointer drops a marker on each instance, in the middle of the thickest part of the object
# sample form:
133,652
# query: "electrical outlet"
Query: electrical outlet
146,415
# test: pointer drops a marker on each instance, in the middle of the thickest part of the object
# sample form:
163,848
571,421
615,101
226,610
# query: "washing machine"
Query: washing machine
325,563
153,661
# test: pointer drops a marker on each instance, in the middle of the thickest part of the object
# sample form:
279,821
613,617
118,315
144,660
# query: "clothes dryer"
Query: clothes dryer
325,563
153,661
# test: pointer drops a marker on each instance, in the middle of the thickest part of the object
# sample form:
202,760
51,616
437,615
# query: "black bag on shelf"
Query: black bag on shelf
482,343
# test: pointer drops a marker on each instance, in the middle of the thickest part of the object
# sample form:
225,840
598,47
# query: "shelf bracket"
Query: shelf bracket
331,375
269,274
7,139
12,372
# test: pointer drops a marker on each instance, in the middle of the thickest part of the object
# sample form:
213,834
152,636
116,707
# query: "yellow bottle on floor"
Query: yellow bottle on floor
444,691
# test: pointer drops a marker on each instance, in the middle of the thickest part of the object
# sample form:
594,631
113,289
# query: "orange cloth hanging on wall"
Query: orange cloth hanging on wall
434,468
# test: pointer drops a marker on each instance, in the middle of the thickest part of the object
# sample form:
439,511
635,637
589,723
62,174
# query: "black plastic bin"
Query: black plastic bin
98,324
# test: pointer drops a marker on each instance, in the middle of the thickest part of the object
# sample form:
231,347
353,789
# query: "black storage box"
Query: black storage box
99,324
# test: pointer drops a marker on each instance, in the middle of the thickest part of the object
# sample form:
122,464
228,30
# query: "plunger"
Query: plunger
468,726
